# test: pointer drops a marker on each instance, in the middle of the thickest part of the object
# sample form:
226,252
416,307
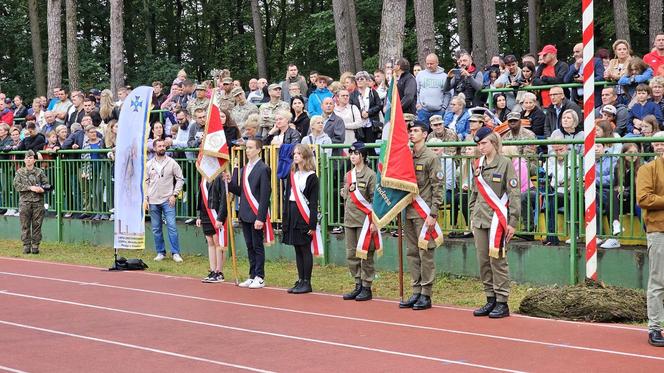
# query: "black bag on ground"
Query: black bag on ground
125,264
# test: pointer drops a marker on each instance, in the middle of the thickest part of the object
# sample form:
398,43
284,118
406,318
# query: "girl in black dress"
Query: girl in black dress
214,196
297,231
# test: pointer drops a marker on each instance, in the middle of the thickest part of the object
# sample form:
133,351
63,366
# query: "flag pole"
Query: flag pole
231,234
400,248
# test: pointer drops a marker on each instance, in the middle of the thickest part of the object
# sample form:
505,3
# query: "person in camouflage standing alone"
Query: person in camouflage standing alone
31,183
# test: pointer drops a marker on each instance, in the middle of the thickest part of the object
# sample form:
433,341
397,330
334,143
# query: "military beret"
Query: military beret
514,115
418,123
236,91
482,133
358,145
435,119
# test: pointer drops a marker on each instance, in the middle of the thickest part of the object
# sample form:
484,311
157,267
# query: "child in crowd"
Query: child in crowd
642,107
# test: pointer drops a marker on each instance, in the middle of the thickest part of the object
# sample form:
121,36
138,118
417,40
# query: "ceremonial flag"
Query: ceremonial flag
130,158
396,181
213,154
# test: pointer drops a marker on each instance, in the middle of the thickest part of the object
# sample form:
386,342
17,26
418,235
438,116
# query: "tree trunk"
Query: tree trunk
477,26
462,24
655,28
54,14
533,32
393,21
259,39
343,36
426,44
621,19
355,37
117,46
37,60
148,27
490,29
72,45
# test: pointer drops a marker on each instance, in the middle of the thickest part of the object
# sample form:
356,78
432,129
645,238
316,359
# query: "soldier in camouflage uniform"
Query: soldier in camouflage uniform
242,108
269,109
223,96
200,101
497,173
31,183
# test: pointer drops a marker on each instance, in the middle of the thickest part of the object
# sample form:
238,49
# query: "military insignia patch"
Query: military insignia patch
496,178
440,175
361,185
419,167
514,183
351,188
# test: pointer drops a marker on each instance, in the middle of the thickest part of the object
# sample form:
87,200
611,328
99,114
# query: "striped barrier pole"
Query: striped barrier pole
589,139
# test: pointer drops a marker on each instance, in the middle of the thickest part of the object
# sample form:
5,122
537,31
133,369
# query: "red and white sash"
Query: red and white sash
426,235
303,206
253,203
499,219
212,215
366,237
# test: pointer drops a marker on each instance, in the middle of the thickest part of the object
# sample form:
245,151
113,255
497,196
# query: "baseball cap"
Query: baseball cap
273,86
476,118
236,91
610,109
227,80
549,48
514,115
435,119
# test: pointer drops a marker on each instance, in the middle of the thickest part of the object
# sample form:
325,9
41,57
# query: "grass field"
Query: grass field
448,289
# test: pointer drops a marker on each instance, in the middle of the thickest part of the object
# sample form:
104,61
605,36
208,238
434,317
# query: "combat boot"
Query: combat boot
26,250
487,308
353,294
410,302
365,294
35,250
500,310
423,303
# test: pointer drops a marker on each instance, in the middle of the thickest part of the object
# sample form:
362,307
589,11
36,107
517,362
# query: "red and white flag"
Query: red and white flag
213,154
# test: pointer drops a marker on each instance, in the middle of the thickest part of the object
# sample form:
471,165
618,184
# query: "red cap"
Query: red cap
549,48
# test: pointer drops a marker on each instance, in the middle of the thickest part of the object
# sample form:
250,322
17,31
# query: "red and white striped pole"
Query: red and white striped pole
589,139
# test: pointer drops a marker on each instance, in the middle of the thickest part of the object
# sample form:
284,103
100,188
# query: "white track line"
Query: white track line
133,346
259,332
466,310
350,318
12,370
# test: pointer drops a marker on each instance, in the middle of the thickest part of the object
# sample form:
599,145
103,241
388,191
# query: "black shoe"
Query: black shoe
500,310
26,250
410,302
455,235
220,277
3,211
35,250
353,294
467,235
295,285
303,287
423,303
209,277
337,230
526,237
365,294
96,217
655,338
487,308
84,216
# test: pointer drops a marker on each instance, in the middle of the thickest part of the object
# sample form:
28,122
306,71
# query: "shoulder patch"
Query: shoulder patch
419,167
514,183
440,175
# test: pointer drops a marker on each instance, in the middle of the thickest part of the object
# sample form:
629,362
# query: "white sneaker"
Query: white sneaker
177,258
611,243
617,227
257,283
10,212
246,283
568,241
159,257
599,241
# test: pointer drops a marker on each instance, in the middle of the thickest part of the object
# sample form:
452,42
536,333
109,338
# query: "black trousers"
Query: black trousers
255,250
305,261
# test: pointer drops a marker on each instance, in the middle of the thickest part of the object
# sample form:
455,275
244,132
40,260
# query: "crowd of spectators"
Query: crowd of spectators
318,109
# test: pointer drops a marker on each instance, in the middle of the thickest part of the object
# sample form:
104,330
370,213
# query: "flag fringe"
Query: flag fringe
394,211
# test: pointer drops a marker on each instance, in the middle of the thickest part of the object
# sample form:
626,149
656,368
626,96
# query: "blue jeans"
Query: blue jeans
168,212
424,115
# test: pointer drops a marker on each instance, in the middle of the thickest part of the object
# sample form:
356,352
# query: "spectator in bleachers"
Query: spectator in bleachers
317,97
431,97
231,130
575,73
269,109
447,166
61,107
517,132
90,173
157,133
6,114
456,117
511,77
604,130
242,109
657,87
618,67
570,129
462,195
90,109
475,122
76,112
500,108
20,111
350,114
5,138
200,101
533,113
313,79
559,105
158,96
282,133
627,168
108,111
465,79
34,140
529,212
559,173
174,98
638,72
37,111
380,84
642,107
316,135
370,106
550,71
49,122
619,111
607,198
407,86
292,76
656,57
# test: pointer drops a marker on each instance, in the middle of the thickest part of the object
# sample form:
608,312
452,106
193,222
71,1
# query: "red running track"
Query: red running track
64,318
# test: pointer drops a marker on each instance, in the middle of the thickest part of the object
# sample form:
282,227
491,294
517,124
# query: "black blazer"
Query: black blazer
259,184
311,194
216,199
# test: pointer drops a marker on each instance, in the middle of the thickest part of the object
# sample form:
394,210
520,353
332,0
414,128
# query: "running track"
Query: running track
66,318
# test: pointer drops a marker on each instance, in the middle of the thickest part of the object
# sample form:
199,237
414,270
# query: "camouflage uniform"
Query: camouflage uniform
267,112
198,103
240,113
448,135
224,100
30,206
362,270
524,134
